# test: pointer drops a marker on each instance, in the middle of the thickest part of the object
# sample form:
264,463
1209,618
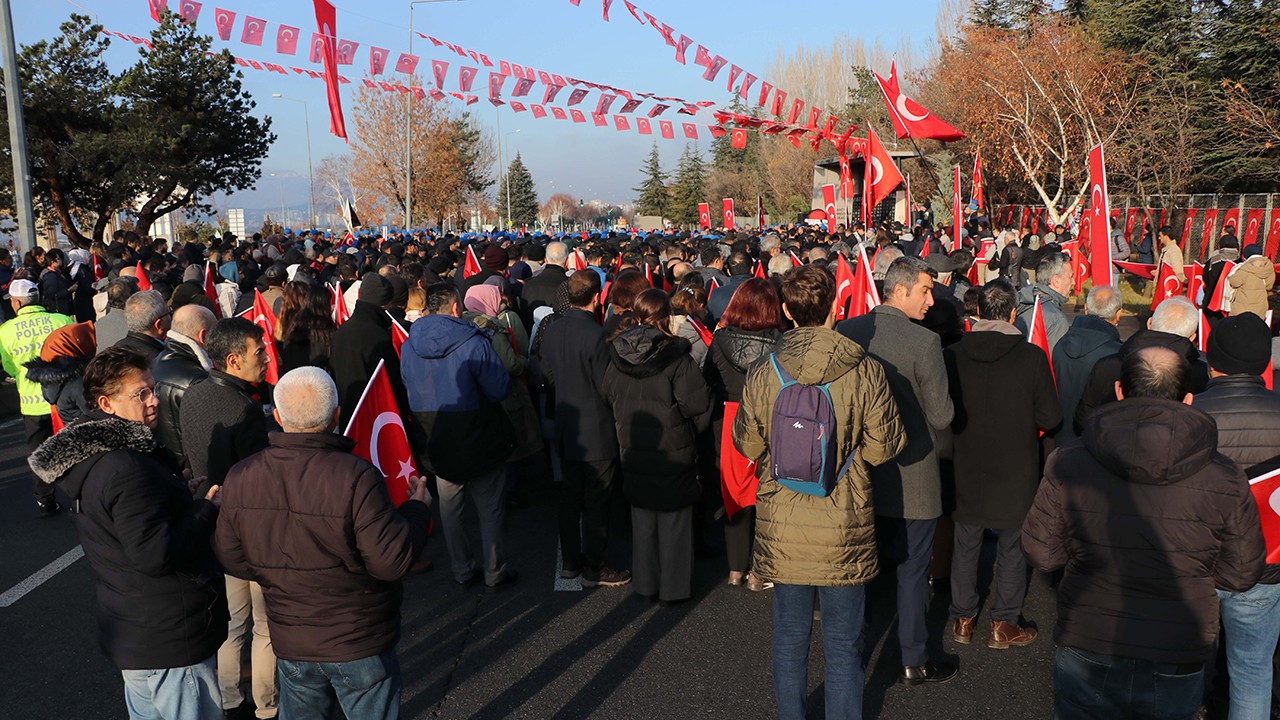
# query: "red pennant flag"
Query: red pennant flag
287,40
559,113
378,430
157,7
1167,285
865,295
702,57
1252,226
1195,283
846,177
1232,219
523,85
728,214
1100,210
1131,218
338,303
466,77
495,86
471,265
605,7
224,20
549,93
264,318
844,287
144,283
190,10
681,46
795,261
326,23
539,111
1036,335
1219,298
690,131
253,30
602,105
829,205
747,81
599,119
667,129
759,271
957,206
577,261
796,106
577,115
760,211
438,70
1186,229
704,216
1210,219
765,89
977,180
398,335
620,123
714,68
648,274
407,64
347,51
643,126
630,105
211,290
738,138
909,118
576,96
815,113
734,73
703,333
378,60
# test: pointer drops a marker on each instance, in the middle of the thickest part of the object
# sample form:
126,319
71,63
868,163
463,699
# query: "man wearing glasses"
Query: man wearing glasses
162,614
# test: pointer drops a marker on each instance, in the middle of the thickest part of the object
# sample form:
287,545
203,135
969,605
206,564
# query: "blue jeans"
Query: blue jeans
842,615
1088,686
366,689
182,693
1251,624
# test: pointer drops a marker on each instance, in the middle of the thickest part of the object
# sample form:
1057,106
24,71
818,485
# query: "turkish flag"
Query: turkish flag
347,51
957,206
884,175
796,106
667,129
846,177
471,265
224,20
690,130
1252,226
605,8
253,30
210,290
734,73
576,115
466,77
602,105
576,96
765,89
559,113
1266,493
1202,337
1186,229
634,12
714,68
599,119
263,317
1099,212
1210,219
738,481
1232,219
287,40
621,123
704,216
1273,235
327,27
399,336
779,100
829,205
144,283
1167,285
702,57
495,86
682,45
438,70
523,85
728,214
338,303
795,261
977,180
1036,335
407,64
760,210
630,105
98,271
747,81
1079,265
759,271
190,10
378,430
157,7
1131,218
738,138
377,60
1195,284
909,118
549,93
864,295
643,126
844,287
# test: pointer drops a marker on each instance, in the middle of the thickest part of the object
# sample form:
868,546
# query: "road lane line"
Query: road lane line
15,593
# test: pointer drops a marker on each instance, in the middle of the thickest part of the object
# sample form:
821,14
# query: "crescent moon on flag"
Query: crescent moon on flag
1274,501
251,26
223,19
1171,290
1096,198
877,171
1253,227
840,290
383,420
904,112
188,7
831,212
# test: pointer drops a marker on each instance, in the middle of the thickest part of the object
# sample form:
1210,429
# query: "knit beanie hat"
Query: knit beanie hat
495,259
1239,345
375,289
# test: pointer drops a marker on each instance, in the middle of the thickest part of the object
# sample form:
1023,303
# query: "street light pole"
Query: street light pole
408,125
280,179
17,132
311,176
508,179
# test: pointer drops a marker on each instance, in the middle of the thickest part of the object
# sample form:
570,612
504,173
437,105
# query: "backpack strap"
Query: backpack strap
784,377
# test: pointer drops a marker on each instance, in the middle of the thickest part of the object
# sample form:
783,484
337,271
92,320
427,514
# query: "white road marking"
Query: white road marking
15,593
10,423
562,585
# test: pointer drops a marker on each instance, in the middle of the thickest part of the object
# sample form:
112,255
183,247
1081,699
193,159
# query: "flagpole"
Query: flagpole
369,386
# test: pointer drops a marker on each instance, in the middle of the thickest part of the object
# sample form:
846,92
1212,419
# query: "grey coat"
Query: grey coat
909,487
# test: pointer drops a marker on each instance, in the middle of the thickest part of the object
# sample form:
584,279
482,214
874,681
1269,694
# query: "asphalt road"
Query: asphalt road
530,652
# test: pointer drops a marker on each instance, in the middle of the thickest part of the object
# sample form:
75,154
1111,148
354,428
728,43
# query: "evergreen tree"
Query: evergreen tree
689,188
990,13
654,196
522,205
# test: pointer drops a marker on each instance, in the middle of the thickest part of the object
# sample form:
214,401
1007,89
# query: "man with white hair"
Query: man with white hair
149,318
1174,326
1055,281
181,364
315,527
770,245
540,290
1092,337
779,265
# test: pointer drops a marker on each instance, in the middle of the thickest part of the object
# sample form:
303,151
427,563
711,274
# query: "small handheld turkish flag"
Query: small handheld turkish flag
844,287
865,296
210,290
471,265
704,216
378,431
1167,285
144,282
338,303
263,317
1036,334
829,205
399,336
728,214
1266,493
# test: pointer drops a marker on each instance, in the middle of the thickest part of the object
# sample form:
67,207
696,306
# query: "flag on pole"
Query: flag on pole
829,205
795,261
144,282
326,28
1167,285
378,430
1100,213
339,304
977,180
1195,283
910,120
844,287
957,209
1266,493
760,211
211,290
399,336
1218,303
704,216
727,204
471,265
865,295
1270,371
1036,334
264,318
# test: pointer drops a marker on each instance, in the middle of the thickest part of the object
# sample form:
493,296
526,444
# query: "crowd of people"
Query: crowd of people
673,387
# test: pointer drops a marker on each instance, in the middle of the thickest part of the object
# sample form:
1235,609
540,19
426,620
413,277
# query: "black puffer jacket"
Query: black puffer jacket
176,368
160,598
1248,419
62,383
1100,388
732,353
1146,518
656,392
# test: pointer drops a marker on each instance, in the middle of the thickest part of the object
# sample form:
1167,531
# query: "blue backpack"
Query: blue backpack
802,437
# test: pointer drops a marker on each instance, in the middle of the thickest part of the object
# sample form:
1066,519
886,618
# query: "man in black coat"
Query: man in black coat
360,342
149,318
574,357
540,290
739,267
1173,325
161,611
181,364
1092,336
1004,396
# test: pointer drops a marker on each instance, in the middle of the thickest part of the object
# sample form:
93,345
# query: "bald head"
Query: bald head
193,321
1155,372
557,253
679,270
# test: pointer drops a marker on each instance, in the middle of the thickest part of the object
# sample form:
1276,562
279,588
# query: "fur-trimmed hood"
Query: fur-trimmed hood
63,457
57,370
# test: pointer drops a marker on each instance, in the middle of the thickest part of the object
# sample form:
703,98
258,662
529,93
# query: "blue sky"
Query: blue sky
553,35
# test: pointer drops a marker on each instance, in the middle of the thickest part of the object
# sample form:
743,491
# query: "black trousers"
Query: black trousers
739,536
908,544
585,496
1010,574
38,428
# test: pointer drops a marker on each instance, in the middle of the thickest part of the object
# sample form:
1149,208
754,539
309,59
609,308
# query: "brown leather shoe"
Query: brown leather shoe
1005,635
962,630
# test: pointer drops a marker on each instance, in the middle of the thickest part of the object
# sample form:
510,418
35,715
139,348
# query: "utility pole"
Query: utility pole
17,132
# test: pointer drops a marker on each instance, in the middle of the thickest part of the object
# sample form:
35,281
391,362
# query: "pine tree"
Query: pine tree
523,203
689,188
654,196
991,13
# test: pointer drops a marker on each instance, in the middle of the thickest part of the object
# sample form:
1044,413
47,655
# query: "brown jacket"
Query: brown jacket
1250,282
803,539
314,525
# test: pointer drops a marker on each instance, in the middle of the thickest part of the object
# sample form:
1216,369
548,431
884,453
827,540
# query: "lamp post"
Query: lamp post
508,180
280,178
408,125
17,134
311,177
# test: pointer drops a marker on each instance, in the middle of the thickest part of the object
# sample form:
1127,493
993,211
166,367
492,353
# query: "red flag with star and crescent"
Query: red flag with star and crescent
1099,213
211,290
471,265
1038,336
326,28
263,317
704,215
910,119
865,297
338,304
1167,285
728,214
399,336
378,430
1266,493
977,181
844,287
883,174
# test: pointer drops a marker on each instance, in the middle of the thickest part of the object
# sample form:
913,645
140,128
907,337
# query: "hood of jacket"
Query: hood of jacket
643,351
56,371
67,457
989,345
1259,267
1086,335
1151,441
742,348
436,336
1156,338
1027,295
818,355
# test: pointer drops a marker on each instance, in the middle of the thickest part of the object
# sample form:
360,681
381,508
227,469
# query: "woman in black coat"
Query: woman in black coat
55,286
656,392
749,330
